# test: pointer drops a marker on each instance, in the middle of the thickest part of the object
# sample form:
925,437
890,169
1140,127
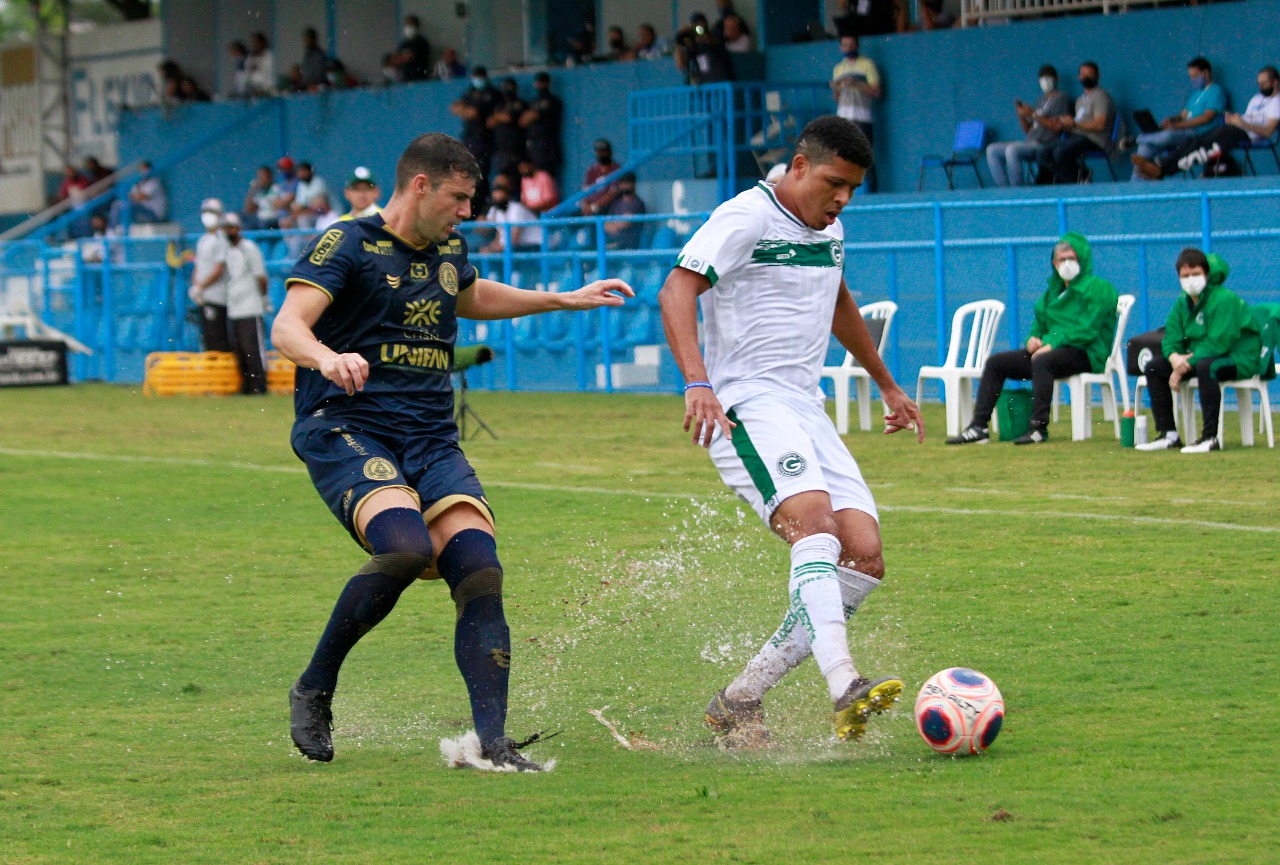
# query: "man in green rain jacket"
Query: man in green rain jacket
1210,335
1075,323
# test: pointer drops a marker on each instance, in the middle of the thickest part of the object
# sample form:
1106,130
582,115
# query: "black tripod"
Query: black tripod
462,410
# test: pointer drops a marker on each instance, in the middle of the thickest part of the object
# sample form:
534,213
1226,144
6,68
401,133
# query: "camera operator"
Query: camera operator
700,55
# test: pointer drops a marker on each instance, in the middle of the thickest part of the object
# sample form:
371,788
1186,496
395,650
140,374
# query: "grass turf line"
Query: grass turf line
152,616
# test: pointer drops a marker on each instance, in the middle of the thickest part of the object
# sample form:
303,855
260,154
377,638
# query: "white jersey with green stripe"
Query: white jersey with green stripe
774,283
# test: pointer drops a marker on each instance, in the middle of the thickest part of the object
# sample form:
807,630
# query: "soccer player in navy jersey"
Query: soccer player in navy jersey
370,318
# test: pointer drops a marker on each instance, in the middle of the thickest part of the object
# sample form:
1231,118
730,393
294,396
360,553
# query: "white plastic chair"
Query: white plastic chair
1185,404
1080,387
883,310
980,320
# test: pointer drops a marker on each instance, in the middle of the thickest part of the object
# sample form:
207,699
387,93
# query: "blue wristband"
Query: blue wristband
694,384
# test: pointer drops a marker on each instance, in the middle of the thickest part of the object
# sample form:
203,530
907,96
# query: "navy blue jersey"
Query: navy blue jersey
395,305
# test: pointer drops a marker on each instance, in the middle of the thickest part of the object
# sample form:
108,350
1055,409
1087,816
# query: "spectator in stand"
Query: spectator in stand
171,76
504,125
239,70
855,84
505,209
1257,124
538,189
1202,113
700,54
412,56
736,38
291,81
599,201
259,209
648,44
95,170
934,17
541,123
73,183
315,64
261,66
617,45
624,233
724,11
337,77
301,210
190,91
582,45
147,200
209,278
246,304
449,67
94,250
474,107
1090,126
1072,329
867,18
1005,158
1210,336
286,189
362,194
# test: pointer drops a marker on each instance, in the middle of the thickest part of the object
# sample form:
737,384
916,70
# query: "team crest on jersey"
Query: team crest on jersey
327,245
448,277
837,253
393,281
418,270
791,465
379,469
422,313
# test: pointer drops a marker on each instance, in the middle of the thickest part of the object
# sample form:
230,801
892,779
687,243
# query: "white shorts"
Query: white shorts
782,447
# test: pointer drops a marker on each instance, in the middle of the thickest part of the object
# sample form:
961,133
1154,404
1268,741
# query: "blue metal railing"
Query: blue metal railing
942,254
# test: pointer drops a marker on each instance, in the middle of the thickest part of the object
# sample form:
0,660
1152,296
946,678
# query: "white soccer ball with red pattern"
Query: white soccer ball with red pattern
959,712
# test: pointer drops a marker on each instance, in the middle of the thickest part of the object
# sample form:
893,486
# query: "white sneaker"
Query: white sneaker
1168,441
1206,444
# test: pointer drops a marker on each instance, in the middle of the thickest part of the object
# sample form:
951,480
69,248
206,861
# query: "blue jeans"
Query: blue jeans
1152,144
1005,159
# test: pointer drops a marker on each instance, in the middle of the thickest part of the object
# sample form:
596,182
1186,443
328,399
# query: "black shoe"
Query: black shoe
971,435
1034,436
311,721
503,751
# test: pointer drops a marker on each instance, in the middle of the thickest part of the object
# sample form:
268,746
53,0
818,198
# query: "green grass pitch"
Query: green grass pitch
165,568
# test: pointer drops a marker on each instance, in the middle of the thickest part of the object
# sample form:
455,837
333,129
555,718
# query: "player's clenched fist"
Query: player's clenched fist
347,371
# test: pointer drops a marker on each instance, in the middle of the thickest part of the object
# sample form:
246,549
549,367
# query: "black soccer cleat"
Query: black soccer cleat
1036,435
504,751
971,435
311,721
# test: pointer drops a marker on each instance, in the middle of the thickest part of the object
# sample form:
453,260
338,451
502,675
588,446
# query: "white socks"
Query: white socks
813,601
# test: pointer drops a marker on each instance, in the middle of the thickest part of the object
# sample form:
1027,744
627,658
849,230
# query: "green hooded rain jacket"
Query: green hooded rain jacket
1217,325
1083,314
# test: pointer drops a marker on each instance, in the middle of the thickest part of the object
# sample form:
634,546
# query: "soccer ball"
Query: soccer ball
959,712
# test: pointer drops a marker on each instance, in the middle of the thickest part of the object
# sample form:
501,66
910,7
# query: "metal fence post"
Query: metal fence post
1013,297
1206,225
1144,297
939,279
602,269
895,357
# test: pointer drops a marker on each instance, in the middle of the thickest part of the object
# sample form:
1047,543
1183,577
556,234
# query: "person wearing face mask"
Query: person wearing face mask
315,64
474,107
504,209
1005,158
599,201
1257,124
412,57
246,294
209,278
508,137
1089,126
1210,336
855,84
1203,112
541,125
616,42
1072,330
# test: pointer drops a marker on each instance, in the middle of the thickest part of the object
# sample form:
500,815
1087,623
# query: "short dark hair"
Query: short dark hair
830,136
542,76
438,156
414,20
1200,63
306,165
1093,66
1048,69
1192,257
1270,72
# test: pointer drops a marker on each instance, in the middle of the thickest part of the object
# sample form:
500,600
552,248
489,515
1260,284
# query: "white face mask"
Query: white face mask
410,32
1047,84
1193,284
1068,269
209,219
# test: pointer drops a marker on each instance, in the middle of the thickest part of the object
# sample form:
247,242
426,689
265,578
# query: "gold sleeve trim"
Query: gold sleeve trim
293,280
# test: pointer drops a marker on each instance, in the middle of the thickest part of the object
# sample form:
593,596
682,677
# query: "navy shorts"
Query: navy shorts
347,464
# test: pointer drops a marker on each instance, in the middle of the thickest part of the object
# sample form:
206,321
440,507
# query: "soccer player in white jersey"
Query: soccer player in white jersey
768,269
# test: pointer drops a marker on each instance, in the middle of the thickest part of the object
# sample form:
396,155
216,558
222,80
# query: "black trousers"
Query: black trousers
1158,371
213,328
246,338
1042,370
1227,137
1063,158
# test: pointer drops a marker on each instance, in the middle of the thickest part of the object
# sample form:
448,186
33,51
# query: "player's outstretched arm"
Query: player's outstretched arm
851,331
292,336
679,303
488,300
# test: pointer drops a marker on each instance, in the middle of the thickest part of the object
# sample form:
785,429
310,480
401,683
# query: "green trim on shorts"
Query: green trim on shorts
751,459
